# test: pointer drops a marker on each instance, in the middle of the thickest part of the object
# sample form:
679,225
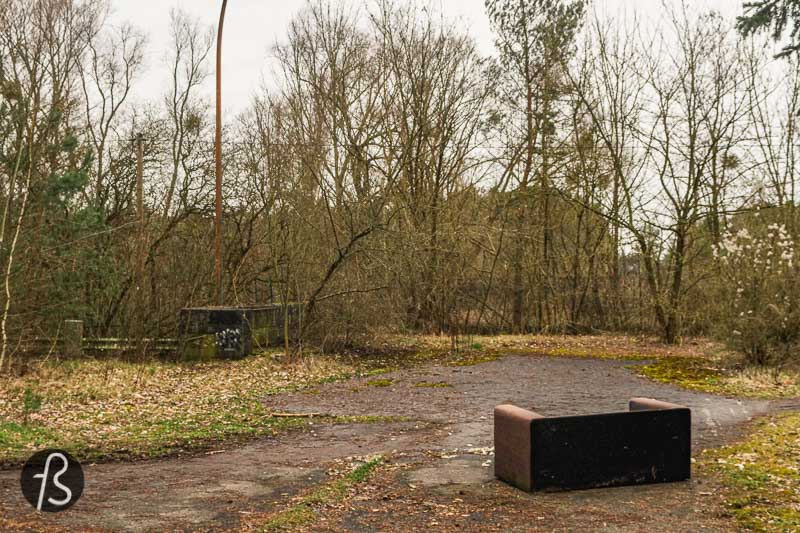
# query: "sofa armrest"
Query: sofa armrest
512,445
645,404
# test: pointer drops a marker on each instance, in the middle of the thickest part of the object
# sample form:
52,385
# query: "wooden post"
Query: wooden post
73,338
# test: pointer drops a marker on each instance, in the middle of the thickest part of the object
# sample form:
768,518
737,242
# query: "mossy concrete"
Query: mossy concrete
208,333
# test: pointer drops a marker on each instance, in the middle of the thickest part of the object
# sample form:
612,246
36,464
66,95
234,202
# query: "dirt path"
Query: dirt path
452,419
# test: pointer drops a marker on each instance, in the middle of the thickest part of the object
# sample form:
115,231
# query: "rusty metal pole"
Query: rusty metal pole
140,259
140,206
218,155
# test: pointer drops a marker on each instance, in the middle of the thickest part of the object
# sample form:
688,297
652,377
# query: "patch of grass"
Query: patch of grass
429,385
334,378
293,518
166,437
762,475
367,419
308,387
376,371
113,409
22,439
591,353
767,382
32,402
363,471
716,377
688,372
380,383
157,438
472,359
492,354
304,512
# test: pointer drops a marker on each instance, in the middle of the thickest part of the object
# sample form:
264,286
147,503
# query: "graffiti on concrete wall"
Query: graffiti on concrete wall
229,339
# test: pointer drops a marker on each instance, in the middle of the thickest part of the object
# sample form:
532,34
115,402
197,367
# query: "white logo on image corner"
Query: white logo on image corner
43,475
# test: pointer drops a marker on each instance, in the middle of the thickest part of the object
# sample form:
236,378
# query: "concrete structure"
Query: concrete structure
234,332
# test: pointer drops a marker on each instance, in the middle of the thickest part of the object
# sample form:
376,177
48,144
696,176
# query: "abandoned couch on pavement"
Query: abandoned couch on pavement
650,443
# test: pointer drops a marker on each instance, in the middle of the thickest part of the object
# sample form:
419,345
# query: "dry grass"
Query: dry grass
111,408
597,346
765,381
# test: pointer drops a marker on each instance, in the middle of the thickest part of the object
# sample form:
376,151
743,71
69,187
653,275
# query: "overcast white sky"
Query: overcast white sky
253,26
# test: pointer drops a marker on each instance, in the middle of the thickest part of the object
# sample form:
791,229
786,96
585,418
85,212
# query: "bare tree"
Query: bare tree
534,39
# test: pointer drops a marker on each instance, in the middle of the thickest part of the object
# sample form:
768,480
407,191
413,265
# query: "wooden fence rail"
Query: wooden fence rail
72,343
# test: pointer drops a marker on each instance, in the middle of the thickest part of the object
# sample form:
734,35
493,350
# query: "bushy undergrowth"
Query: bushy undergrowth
760,296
